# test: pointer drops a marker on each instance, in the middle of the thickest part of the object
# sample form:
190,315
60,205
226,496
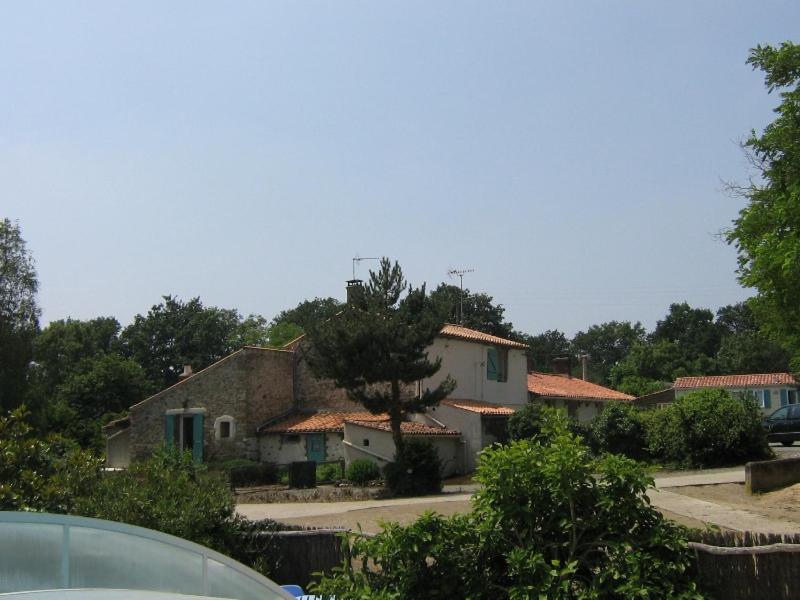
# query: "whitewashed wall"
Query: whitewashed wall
380,448
466,362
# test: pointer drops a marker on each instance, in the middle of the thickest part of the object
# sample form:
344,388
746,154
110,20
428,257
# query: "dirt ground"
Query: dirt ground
781,505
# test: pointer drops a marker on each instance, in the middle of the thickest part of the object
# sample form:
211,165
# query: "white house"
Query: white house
770,390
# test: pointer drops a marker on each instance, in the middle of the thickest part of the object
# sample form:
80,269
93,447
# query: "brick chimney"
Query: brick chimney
354,286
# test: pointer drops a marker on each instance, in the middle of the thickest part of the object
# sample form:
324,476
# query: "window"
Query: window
497,364
224,428
366,442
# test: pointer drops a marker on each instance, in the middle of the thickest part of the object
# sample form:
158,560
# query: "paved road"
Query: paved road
368,514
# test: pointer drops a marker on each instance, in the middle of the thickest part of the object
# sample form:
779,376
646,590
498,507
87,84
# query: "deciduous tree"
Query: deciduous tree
19,314
767,232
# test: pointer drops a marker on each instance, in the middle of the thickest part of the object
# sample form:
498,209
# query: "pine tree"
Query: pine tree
376,347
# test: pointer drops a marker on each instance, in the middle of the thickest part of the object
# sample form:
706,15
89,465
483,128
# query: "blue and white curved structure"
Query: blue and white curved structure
40,551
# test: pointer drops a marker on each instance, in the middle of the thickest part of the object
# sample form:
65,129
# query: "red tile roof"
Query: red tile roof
318,422
736,381
484,408
560,386
471,335
407,427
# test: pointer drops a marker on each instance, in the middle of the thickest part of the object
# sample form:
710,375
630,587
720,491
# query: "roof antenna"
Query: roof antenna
358,259
460,273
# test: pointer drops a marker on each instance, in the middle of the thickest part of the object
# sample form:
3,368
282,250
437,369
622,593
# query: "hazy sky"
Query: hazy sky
572,153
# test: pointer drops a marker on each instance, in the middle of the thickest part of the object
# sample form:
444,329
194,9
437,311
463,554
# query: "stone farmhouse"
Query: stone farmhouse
266,405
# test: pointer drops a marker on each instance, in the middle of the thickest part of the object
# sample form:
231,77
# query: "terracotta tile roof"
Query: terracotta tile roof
470,335
407,427
484,408
318,422
736,381
560,386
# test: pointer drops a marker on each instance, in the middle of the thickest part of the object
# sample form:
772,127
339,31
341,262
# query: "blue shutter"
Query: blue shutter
197,435
784,397
767,399
491,364
169,428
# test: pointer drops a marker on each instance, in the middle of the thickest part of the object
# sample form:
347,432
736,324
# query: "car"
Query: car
783,425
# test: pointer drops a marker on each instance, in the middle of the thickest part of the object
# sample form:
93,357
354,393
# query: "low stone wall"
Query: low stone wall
768,475
275,494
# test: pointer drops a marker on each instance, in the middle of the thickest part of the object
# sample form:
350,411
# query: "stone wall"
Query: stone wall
250,385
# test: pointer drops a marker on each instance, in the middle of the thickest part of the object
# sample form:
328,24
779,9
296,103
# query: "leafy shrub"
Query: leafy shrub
329,472
41,474
526,423
707,428
619,429
550,522
362,471
418,473
168,492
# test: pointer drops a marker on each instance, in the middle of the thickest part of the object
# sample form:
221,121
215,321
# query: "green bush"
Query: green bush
168,492
42,474
707,428
418,473
526,423
362,471
619,429
550,522
329,472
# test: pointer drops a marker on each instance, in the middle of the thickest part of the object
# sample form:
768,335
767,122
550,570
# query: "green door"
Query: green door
315,447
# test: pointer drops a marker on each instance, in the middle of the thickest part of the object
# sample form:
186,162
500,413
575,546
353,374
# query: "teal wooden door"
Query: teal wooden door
315,447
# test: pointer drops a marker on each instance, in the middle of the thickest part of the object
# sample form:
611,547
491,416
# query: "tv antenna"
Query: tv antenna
358,259
460,273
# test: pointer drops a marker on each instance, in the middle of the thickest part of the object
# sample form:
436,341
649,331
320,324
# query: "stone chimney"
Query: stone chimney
353,287
187,372
584,366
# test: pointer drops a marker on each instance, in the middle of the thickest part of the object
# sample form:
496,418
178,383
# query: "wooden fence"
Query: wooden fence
743,565
304,552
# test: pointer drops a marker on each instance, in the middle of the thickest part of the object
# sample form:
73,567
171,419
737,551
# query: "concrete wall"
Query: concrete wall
380,447
118,449
768,475
251,385
466,363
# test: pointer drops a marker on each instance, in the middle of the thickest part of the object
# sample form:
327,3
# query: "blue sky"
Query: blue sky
572,153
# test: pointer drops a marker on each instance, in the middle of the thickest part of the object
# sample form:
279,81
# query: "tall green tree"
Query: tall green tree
480,311
309,312
692,329
175,333
766,233
376,347
64,344
607,344
19,314
545,347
